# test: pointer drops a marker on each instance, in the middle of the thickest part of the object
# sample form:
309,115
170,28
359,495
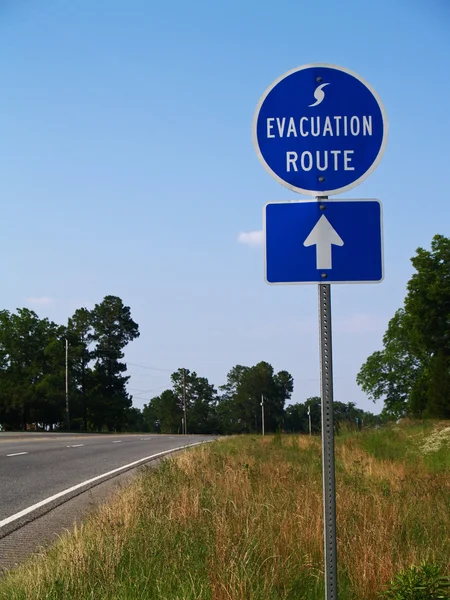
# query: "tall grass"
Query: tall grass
242,519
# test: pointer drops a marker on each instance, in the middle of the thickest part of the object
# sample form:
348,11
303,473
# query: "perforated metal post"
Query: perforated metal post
329,488
184,402
67,386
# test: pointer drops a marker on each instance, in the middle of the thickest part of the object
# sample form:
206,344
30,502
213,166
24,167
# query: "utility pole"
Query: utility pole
67,385
184,401
262,413
309,418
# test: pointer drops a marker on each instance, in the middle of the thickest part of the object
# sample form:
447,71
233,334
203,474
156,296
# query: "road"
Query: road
35,468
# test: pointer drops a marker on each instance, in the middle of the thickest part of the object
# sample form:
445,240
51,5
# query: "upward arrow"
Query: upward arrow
323,236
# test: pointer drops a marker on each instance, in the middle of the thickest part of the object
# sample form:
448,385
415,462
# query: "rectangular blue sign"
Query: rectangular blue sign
329,241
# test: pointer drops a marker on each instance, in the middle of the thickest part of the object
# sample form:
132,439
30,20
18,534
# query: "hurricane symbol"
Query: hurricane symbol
319,94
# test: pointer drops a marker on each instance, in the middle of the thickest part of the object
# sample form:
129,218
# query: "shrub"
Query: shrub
425,582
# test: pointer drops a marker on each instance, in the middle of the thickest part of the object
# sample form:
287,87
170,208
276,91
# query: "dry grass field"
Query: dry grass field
241,518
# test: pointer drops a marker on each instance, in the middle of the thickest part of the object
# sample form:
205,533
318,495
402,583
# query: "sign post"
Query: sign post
320,130
328,470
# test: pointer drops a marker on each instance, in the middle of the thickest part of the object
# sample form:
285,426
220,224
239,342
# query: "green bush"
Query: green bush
425,582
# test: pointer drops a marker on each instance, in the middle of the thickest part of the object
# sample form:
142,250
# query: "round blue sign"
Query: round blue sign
320,130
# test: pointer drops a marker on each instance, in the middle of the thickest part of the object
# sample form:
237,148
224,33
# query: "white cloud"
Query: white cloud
42,301
251,238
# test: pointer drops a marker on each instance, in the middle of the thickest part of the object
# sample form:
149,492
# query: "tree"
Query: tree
200,397
437,387
412,372
230,415
135,420
428,307
240,405
283,388
50,388
30,369
164,410
113,330
297,419
427,303
80,334
392,373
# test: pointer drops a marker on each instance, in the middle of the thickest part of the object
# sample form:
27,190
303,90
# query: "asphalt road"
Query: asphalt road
36,467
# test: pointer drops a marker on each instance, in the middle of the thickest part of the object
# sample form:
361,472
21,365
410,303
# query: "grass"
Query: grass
242,519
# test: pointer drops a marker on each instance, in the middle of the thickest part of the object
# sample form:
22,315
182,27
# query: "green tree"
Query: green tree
135,420
296,418
32,368
50,408
391,374
412,372
240,405
231,413
200,397
427,303
438,387
32,389
165,410
113,329
80,334
283,386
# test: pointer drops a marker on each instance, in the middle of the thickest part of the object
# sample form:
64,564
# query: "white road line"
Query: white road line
117,442
27,511
17,454
76,446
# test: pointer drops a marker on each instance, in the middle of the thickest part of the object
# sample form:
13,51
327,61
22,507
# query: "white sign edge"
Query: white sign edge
335,191
327,200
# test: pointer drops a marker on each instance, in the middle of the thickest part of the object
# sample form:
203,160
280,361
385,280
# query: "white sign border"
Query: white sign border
321,192
323,201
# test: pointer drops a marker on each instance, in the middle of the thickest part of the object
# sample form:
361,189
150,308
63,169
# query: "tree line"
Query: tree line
33,368
411,374
236,407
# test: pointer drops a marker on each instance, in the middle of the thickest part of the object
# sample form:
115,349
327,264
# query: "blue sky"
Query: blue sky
127,168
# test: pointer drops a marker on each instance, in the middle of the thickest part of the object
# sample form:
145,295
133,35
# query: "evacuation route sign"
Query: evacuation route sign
320,130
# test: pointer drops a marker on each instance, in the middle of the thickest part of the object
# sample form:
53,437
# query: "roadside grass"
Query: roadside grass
242,519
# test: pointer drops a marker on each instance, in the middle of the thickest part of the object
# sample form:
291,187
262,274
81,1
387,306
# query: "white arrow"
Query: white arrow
323,236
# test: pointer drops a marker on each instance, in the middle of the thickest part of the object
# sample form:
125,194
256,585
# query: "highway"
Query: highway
36,468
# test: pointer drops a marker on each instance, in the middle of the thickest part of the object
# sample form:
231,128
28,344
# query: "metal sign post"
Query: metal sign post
184,402
329,487
67,385
320,130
